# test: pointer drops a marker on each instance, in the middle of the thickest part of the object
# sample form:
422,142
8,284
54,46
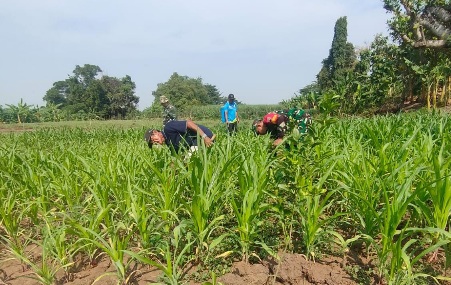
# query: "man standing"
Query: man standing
231,114
169,111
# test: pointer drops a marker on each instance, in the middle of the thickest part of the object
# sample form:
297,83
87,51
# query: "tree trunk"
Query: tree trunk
434,93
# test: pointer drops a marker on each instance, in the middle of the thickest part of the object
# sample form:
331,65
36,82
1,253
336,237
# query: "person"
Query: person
278,123
231,114
179,134
169,111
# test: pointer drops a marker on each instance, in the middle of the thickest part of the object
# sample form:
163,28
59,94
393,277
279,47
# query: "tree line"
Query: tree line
412,66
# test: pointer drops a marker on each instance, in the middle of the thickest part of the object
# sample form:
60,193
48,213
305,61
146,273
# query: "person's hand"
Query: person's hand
238,120
208,141
277,142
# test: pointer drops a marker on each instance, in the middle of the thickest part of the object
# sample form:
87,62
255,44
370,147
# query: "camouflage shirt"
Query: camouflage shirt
169,114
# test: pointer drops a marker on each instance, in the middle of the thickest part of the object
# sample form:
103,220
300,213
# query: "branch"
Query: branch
425,43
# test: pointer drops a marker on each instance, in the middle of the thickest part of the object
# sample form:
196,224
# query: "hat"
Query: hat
163,99
147,136
231,97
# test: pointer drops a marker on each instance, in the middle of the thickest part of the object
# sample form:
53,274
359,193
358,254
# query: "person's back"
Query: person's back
178,134
297,119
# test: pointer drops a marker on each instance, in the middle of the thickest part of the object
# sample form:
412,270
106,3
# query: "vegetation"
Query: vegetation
376,185
107,97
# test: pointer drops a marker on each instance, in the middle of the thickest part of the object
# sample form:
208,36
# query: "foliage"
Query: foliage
184,92
383,176
341,57
103,97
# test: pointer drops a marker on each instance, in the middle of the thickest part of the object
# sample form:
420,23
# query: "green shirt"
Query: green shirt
169,114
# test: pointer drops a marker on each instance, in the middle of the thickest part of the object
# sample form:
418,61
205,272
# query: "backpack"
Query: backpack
223,114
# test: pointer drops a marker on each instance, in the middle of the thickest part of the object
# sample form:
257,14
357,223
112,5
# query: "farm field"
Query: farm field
356,201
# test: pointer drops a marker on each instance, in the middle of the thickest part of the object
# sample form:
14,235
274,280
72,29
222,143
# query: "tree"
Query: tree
213,95
421,23
341,59
84,93
185,92
21,111
121,95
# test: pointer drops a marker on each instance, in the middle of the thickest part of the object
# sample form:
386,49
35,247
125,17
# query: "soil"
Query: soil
293,269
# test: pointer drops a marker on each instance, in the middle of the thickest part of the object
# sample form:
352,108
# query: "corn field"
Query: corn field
382,185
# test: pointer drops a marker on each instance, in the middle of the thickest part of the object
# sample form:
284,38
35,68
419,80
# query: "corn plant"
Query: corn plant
249,203
165,187
438,186
113,243
208,189
85,228
398,198
175,256
59,247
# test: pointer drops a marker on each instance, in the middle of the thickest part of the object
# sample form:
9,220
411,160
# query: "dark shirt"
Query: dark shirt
177,135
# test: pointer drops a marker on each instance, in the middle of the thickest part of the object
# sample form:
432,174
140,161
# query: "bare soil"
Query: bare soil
293,269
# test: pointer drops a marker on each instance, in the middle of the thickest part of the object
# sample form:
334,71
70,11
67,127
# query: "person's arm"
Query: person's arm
192,126
226,113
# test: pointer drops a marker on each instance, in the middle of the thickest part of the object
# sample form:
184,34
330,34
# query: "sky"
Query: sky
263,51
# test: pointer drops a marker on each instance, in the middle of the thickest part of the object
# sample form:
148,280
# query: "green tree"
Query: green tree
341,59
83,93
184,92
121,95
57,95
213,95
21,111
421,23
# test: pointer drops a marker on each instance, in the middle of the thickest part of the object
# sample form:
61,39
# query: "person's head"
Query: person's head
154,137
231,98
164,100
259,127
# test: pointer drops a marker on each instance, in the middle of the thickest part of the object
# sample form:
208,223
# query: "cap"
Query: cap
231,97
164,99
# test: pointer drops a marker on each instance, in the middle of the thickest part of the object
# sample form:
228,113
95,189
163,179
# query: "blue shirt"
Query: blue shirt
231,109
176,134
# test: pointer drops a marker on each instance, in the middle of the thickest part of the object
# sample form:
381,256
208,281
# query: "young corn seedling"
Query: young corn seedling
113,244
207,187
313,202
249,203
175,254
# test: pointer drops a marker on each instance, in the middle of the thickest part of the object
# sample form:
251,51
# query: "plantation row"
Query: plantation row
381,185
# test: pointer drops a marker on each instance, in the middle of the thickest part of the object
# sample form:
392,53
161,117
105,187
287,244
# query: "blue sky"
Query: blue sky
263,51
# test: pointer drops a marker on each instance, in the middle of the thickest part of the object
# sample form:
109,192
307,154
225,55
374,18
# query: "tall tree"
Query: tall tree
421,23
184,92
84,92
213,95
341,59
121,95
